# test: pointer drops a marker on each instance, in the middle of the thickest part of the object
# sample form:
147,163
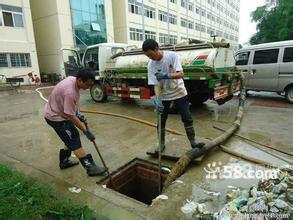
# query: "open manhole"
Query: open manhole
137,179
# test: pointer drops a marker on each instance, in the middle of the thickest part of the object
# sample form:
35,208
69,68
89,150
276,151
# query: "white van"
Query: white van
268,67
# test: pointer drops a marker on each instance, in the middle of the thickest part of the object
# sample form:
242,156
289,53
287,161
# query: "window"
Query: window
20,59
163,16
8,20
15,60
190,6
18,20
266,56
149,12
190,24
197,10
288,55
173,1
184,3
167,39
3,60
12,16
172,19
134,7
137,34
150,35
184,22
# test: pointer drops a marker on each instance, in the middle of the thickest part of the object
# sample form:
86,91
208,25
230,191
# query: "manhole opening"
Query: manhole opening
137,179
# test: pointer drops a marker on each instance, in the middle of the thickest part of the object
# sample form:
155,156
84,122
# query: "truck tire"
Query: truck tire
198,99
289,94
98,92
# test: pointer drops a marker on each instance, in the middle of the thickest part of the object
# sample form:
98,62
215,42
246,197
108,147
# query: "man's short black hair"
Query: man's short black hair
149,44
85,74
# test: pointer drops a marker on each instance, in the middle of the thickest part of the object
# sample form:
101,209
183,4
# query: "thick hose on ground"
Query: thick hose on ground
113,114
190,155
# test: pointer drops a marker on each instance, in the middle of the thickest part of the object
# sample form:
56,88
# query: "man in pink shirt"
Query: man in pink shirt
61,114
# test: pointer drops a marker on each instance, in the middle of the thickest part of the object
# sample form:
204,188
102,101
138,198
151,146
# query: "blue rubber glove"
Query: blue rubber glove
89,135
162,75
158,105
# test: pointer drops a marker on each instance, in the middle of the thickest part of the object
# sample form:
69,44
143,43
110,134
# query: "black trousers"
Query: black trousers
182,105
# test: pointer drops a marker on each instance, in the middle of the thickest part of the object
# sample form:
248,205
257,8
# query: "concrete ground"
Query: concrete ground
29,145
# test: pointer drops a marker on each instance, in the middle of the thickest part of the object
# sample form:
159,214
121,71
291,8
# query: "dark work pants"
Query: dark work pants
182,105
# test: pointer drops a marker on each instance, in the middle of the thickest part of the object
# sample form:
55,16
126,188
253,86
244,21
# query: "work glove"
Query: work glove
89,135
162,75
158,105
82,118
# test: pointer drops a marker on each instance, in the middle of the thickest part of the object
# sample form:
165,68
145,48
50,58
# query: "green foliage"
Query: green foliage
273,24
24,198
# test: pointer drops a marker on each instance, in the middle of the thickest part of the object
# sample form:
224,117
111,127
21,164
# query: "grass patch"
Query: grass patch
22,197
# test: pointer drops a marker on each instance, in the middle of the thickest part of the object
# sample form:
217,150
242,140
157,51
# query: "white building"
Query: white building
172,21
69,24
18,55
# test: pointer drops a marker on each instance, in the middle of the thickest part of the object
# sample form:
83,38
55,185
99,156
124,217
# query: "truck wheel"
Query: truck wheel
98,92
289,94
198,99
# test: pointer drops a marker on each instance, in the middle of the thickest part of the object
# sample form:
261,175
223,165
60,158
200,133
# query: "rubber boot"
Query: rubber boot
162,141
191,137
91,168
64,161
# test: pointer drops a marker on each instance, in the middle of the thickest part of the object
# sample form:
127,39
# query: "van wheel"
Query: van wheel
289,94
98,92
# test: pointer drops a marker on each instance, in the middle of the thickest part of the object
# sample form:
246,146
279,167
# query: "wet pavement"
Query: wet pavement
32,147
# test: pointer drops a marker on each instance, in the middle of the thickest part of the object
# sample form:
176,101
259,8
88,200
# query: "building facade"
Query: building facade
173,21
18,54
69,24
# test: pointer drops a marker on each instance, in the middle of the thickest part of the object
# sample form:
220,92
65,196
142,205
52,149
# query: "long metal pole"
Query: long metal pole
100,155
168,21
160,149
142,20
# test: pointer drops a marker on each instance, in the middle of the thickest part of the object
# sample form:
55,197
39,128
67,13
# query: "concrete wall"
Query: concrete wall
19,40
120,18
49,18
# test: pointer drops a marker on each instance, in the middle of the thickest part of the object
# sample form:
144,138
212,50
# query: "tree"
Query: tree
273,24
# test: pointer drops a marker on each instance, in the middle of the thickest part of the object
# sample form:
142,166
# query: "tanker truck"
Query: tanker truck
121,71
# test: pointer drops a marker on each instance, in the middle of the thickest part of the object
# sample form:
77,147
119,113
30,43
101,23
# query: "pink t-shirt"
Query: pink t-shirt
64,100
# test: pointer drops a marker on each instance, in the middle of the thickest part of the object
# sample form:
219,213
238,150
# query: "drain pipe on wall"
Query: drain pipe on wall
190,155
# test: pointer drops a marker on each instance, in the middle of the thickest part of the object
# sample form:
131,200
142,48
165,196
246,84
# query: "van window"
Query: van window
288,55
91,58
242,58
266,56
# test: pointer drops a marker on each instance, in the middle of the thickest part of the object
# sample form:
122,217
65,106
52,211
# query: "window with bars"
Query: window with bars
12,16
15,60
